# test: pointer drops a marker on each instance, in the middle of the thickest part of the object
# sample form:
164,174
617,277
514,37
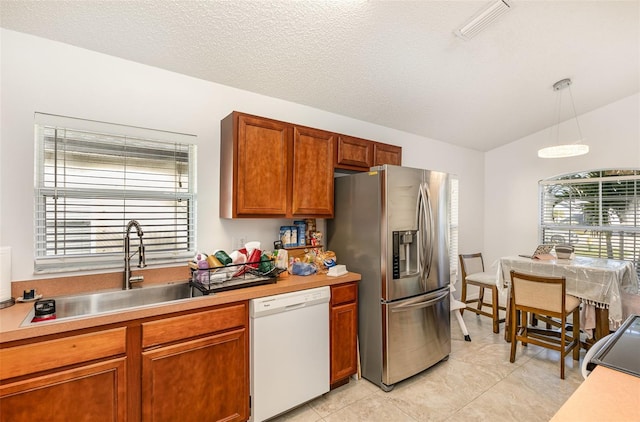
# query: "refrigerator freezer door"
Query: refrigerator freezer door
414,201
417,335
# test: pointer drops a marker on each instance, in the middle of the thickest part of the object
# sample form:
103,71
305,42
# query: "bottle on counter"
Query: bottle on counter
310,228
302,232
293,242
285,236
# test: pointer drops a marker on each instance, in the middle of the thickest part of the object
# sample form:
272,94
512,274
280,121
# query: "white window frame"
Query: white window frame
612,227
454,227
165,209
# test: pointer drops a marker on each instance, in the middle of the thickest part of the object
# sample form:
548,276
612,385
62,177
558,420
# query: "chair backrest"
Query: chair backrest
471,263
538,293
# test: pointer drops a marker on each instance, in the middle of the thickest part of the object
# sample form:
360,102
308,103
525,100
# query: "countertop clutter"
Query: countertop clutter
11,318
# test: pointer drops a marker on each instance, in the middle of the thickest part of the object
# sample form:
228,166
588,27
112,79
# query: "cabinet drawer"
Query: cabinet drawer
192,325
344,293
45,355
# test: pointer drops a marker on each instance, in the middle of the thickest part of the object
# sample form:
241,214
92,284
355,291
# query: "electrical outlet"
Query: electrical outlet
238,242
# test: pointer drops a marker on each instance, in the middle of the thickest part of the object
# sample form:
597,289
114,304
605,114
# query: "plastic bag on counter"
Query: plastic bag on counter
302,268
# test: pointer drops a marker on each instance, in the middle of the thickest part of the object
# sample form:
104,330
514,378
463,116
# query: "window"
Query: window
598,212
453,229
92,178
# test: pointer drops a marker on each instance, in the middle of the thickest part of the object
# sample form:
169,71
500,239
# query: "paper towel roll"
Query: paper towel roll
5,273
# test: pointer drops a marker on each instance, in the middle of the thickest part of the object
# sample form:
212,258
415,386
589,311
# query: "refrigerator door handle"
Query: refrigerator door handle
425,304
425,230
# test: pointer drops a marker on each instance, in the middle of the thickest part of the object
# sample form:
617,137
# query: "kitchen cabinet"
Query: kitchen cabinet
193,366
80,377
270,168
354,152
255,173
361,154
184,361
343,333
196,366
312,170
386,154
274,169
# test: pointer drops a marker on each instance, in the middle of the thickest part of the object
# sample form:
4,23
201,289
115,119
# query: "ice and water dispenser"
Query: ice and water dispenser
405,253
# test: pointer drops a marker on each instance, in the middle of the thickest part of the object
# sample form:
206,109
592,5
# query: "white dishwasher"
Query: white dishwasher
289,350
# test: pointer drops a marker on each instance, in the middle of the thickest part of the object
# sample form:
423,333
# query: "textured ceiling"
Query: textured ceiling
393,63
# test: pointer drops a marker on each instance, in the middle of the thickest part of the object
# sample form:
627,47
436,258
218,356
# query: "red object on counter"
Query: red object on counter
40,318
254,258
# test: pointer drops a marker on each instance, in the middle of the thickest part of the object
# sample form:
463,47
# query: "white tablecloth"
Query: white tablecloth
595,281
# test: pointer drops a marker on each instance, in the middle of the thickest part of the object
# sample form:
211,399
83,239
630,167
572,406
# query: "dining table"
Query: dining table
597,282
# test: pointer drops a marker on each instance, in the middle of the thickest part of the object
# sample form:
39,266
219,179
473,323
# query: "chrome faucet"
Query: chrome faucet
128,279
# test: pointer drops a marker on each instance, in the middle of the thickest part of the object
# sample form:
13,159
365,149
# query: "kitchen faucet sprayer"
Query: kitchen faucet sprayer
128,279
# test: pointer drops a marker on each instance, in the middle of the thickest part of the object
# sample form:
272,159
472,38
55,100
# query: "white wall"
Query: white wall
39,75
512,173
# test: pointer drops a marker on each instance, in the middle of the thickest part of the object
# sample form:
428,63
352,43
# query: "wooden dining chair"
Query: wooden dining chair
473,273
544,296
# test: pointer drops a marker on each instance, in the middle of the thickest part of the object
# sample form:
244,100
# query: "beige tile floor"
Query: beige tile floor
476,383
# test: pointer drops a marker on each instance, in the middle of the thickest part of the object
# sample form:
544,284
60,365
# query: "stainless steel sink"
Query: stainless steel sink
109,301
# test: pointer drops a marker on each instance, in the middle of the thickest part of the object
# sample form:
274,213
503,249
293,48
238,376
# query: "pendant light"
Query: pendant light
569,149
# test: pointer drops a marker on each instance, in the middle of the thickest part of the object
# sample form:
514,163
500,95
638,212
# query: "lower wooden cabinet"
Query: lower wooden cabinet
343,333
196,366
197,380
193,366
87,393
190,366
61,380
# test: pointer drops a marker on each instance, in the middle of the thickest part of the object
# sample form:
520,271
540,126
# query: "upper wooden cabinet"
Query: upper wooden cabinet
255,175
360,154
312,189
354,152
270,168
386,154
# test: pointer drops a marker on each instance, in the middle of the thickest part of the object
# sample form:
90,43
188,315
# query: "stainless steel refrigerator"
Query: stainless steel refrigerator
391,225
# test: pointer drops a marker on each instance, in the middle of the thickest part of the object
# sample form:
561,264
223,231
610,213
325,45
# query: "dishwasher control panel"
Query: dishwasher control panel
288,301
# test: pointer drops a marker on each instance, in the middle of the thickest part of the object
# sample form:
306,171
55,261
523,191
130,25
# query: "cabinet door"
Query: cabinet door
94,392
312,172
206,379
344,334
262,174
387,154
354,152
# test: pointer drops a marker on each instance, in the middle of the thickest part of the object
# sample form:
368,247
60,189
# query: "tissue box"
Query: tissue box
337,270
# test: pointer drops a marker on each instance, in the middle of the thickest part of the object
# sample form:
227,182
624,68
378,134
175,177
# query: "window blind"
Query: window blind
93,177
453,229
598,212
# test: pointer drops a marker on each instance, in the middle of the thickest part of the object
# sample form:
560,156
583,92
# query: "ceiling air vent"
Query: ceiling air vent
482,19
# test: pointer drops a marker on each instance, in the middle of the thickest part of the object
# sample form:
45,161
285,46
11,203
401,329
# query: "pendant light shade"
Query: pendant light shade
563,150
